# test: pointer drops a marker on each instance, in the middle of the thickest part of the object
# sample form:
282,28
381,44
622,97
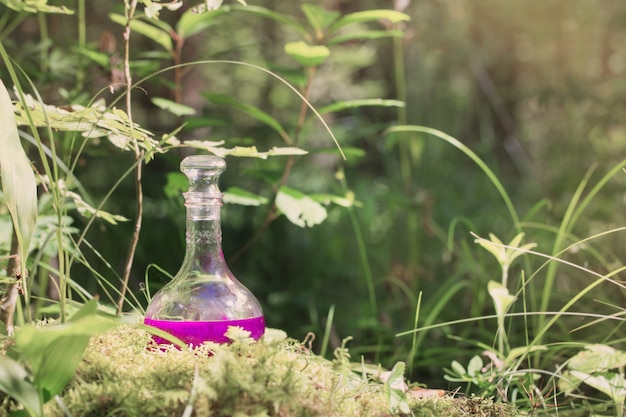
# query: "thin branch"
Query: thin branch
8,300
272,213
130,12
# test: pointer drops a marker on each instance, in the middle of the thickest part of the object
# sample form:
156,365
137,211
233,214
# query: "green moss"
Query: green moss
119,376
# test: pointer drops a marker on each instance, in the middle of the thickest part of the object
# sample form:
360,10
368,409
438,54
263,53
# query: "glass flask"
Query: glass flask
204,299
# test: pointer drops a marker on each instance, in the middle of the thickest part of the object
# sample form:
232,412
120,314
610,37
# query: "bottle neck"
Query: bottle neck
204,238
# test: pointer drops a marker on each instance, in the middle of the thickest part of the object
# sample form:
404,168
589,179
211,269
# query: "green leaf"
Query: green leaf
457,368
307,55
192,23
54,352
505,255
152,32
502,300
597,358
59,364
300,209
319,18
35,6
236,195
395,390
242,151
369,16
89,308
175,108
18,179
475,366
609,383
351,104
286,151
327,199
251,111
365,35
95,121
14,383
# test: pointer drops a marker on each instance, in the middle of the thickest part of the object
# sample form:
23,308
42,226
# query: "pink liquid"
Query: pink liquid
197,332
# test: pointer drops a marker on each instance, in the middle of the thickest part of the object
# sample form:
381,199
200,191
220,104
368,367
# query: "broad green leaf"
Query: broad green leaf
365,35
286,151
395,390
192,23
250,110
161,24
611,384
495,247
299,208
505,255
327,199
270,14
351,104
369,16
54,352
236,195
502,300
95,121
35,6
474,366
89,308
457,368
597,358
18,179
319,18
176,109
14,383
242,151
59,364
307,55
152,32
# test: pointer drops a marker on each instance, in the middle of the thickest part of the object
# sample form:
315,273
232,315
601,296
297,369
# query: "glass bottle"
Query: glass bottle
204,299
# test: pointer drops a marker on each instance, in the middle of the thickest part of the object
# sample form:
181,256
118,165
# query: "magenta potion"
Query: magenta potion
204,299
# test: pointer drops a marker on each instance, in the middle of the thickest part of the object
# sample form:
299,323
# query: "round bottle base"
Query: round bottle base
197,332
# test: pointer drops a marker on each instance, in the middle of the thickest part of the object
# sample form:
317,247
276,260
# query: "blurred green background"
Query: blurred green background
536,89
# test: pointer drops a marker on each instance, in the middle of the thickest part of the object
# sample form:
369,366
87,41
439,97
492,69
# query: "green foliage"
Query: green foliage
395,212
45,358
18,180
277,376
35,6
600,367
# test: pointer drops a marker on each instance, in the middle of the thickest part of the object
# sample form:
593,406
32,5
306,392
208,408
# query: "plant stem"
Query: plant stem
405,150
11,291
272,213
130,12
82,42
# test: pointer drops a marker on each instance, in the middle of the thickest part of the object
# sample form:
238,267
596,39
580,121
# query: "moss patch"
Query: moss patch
276,377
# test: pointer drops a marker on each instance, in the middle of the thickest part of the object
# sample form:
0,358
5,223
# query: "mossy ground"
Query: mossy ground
119,376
